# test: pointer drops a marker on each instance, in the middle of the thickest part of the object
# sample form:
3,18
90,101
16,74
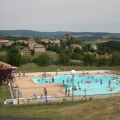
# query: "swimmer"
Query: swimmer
63,82
79,87
67,80
101,81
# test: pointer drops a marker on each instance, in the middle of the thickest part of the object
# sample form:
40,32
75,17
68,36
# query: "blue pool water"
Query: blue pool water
89,85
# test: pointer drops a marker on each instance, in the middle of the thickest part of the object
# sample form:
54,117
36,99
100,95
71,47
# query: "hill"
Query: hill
99,109
61,34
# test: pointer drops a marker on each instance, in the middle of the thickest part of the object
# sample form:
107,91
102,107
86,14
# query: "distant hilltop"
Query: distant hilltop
82,35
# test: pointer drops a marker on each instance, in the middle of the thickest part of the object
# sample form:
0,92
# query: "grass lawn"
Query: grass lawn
4,93
31,67
104,109
27,53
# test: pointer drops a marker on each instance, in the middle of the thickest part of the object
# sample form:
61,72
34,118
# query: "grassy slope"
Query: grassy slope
106,109
34,68
4,93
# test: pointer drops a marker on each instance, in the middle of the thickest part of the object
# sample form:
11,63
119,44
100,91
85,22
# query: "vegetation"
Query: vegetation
43,60
14,56
5,76
99,109
4,93
65,53
32,67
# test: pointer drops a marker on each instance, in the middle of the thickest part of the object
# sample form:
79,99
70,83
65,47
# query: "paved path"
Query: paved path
13,118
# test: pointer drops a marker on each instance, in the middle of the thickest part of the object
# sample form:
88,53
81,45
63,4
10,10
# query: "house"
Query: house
56,41
76,46
68,36
5,42
45,40
22,41
94,46
31,43
39,48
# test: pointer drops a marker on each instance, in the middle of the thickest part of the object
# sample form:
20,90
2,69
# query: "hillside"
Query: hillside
101,109
82,35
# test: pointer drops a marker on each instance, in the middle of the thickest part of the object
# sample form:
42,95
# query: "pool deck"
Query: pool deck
27,87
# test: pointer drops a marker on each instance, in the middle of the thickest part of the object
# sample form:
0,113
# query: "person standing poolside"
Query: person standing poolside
66,91
45,91
45,94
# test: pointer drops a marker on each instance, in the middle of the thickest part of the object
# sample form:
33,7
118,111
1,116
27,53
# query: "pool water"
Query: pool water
89,85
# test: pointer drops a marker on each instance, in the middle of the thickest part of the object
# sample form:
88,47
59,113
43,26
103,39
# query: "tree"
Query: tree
64,59
14,56
43,60
102,62
32,52
5,73
115,59
5,76
89,60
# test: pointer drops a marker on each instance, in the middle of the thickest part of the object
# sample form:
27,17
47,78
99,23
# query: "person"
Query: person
75,88
45,91
109,82
53,80
66,91
79,87
63,82
101,81
90,98
68,80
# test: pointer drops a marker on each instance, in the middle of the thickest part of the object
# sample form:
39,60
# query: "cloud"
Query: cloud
60,14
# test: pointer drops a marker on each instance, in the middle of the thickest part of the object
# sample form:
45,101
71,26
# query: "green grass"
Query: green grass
35,68
92,42
104,109
4,93
27,53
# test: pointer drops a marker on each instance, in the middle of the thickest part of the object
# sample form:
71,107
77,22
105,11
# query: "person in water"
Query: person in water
79,87
53,80
63,82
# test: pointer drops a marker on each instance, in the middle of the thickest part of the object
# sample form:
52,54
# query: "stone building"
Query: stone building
31,43
94,46
68,36
39,48
5,42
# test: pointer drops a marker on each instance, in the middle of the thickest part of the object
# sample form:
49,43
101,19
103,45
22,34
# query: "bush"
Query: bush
43,60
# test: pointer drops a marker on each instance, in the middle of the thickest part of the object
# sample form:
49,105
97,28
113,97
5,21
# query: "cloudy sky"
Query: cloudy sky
61,15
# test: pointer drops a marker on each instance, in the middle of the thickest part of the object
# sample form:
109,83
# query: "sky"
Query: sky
60,15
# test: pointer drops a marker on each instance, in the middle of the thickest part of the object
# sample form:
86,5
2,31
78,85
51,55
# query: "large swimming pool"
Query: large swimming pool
89,85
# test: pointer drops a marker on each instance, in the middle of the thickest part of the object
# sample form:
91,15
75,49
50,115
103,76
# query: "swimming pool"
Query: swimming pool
89,85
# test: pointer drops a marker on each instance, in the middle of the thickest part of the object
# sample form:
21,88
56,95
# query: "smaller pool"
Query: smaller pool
89,85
